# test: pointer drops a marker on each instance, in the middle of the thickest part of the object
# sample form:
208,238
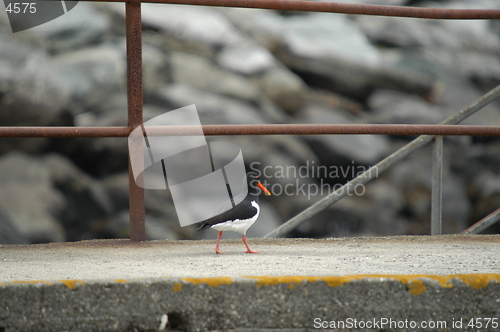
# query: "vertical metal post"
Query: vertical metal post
135,103
437,186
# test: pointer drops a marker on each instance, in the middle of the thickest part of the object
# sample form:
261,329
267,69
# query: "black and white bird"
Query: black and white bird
240,217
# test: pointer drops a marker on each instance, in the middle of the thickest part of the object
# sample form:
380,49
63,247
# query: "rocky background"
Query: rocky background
245,66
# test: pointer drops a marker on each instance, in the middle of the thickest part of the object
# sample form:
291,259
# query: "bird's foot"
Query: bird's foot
220,252
250,251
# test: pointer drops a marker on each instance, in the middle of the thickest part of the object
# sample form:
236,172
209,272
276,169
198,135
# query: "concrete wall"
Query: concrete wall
294,303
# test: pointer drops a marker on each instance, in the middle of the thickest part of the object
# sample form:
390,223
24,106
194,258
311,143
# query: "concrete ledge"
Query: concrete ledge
292,303
350,284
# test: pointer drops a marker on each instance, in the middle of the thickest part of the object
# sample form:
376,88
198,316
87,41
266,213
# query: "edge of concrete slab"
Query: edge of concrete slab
374,302
295,303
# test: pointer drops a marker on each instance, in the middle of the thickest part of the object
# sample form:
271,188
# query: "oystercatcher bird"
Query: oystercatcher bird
242,216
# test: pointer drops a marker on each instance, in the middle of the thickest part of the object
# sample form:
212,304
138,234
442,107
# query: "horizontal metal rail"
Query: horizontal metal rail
341,8
258,129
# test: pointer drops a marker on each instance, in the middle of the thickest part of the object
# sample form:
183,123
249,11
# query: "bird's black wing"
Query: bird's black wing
243,210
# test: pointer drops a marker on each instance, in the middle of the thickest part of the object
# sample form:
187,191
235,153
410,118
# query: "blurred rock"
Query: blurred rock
8,232
198,27
262,25
30,93
479,67
49,199
80,27
155,69
342,149
29,199
212,108
328,52
323,36
205,75
284,88
446,34
248,58
395,107
451,90
33,209
92,74
357,81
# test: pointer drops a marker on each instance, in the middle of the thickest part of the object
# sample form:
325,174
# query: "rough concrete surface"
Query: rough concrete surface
369,284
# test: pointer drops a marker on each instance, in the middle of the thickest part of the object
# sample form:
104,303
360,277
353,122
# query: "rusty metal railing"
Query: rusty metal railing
369,175
262,129
135,90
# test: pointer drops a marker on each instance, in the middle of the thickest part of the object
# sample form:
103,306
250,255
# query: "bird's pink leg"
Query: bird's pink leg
249,251
217,251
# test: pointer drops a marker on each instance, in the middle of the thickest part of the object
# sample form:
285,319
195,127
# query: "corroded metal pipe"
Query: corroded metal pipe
135,118
484,223
259,129
342,8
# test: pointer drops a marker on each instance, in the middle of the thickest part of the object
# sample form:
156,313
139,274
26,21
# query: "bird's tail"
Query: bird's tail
202,226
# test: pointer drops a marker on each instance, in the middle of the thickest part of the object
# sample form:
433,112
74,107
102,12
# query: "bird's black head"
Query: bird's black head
254,185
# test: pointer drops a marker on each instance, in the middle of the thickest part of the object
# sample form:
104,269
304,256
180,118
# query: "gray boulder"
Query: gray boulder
92,74
212,108
248,58
29,200
9,234
155,68
356,80
194,29
342,149
323,36
81,26
48,199
203,74
394,107
33,210
284,88
264,26
447,34
30,93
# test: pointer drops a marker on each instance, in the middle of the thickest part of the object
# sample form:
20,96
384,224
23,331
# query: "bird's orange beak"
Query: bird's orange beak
263,188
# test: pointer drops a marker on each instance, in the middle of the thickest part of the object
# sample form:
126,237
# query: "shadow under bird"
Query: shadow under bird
242,216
